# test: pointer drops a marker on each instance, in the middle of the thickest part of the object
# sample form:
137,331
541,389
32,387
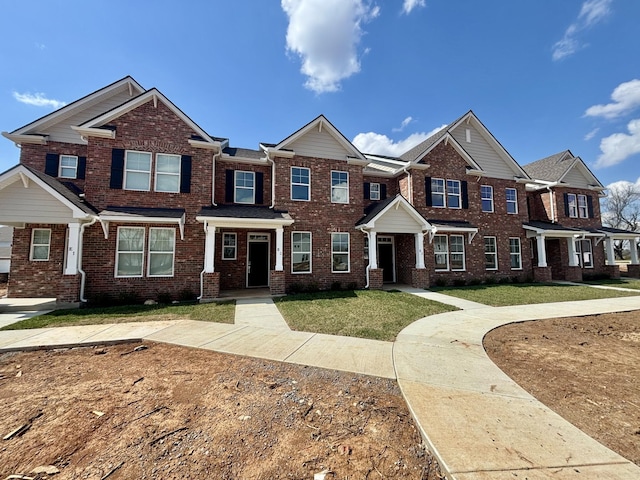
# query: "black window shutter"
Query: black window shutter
259,188
51,164
566,204
367,189
228,187
427,191
82,168
185,174
117,168
590,206
383,191
465,194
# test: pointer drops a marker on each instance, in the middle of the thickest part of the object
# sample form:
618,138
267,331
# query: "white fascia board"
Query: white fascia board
357,161
458,148
276,152
95,132
21,139
579,163
369,173
230,222
400,201
620,236
534,231
105,219
244,160
206,145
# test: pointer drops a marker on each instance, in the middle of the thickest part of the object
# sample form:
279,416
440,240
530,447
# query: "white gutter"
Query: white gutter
368,233
203,268
83,275
551,202
406,170
213,178
273,178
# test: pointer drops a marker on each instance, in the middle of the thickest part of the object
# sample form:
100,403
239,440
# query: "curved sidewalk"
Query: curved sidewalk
480,423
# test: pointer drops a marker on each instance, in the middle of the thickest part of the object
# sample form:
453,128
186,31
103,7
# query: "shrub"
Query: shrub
490,280
163,297
505,280
440,282
127,298
351,286
475,281
459,282
186,295
336,286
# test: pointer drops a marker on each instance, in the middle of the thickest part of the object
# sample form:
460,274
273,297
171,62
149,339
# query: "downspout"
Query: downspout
83,275
273,179
551,202
369,262
203,267
213,179
410,186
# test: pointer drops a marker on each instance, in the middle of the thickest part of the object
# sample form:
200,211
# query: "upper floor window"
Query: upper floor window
300,183
68,166
229,246
583,210
374,191
339,187
301,252
486,193
137,171
512,200
572,205
437,192
244,183
454,194
40,244
340,252
515,253
490,253
167,173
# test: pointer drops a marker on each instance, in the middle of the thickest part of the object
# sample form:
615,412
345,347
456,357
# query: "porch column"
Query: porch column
209,248
633,250
419,237
279,248
608,251
542,251
73,247
373,249
573,258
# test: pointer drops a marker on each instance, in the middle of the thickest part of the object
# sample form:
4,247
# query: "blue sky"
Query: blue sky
542,75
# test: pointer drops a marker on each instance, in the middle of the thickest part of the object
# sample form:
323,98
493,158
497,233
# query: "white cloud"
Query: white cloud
622,184
377,143
409,5
325,35
402,126
38,100
626,97
591,134
591,12
620,146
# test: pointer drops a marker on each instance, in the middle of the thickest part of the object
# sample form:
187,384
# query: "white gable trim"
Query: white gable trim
397,202
448,139
580,165
27,139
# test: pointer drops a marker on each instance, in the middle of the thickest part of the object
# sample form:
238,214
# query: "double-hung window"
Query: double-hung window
441,251
162,244
68,166
340,252
490,253
584,253
456,252
244,191
453,194
515,252
438,192
486,194
300,183
167,173
130,252
301,252
572,205
40,244
229,246
374,191
137,171
512,200
339,187
583,210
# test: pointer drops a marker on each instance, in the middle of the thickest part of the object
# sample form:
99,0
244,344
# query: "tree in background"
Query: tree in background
622,210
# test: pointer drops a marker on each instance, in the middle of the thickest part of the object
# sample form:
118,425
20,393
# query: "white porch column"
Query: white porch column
419,249
633,250
209,248
608,251
373,249
573,258
279,248
73,247
542,251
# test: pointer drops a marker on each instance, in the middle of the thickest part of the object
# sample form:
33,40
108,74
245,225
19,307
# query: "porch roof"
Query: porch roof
619,234
557,230
142,215
244,216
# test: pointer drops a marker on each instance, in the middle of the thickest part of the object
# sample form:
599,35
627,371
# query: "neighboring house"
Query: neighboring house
121,193
6,235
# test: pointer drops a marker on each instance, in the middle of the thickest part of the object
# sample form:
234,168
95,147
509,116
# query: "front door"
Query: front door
258,260
386,260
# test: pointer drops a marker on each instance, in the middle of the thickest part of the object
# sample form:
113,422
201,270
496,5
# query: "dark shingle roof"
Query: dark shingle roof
244,211
617,230
144,212
551,168
450,223
552,227
243,152
415,152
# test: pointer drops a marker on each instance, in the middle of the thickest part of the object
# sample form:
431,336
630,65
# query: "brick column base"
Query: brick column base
375,279
633,271
419,278
277,283
573,274
542,274
612,270
210,286
69,291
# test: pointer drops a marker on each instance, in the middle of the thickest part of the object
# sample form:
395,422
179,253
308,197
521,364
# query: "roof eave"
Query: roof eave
25,138
95,132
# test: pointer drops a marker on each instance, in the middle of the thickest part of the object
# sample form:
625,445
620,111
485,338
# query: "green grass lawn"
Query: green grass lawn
222,312
632,283
374,314
527,293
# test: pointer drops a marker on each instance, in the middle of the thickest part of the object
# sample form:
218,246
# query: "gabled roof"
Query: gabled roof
320,123
555,168
377,210
71,109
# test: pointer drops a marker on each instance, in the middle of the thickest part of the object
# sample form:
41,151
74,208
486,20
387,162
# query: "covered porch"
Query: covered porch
611,235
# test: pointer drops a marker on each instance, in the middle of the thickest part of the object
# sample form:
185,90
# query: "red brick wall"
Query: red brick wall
34,156
221,181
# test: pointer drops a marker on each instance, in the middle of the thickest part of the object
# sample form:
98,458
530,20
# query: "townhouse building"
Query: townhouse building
121,193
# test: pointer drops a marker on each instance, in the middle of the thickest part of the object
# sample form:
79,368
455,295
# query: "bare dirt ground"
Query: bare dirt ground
170,412
587,369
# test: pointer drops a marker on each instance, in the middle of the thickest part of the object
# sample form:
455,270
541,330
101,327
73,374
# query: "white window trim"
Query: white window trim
451,253
348,270
308,185
445,253
126,251
514,202
580,253
309,252
572,204
60,167
338,187
33,245
458,195
235,245
235,187
495,254
482,198
443,193
582,208
167,173
519,254
150,253
126,170
374,191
